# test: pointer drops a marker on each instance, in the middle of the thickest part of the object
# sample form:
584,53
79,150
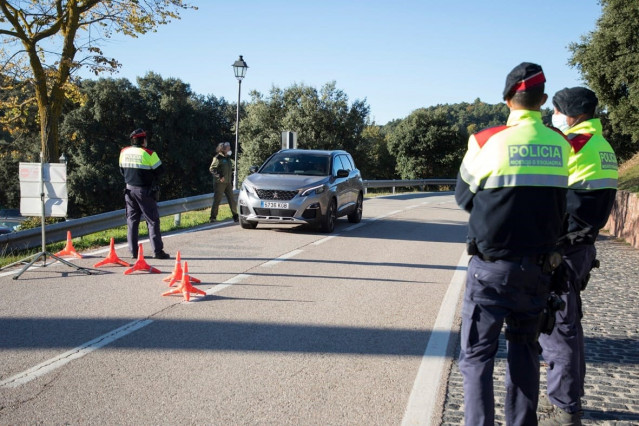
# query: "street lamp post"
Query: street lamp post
239,68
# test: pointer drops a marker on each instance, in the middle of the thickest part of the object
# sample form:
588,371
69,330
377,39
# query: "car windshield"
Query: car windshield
296,164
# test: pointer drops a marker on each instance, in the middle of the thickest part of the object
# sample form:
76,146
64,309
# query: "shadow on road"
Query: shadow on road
196,335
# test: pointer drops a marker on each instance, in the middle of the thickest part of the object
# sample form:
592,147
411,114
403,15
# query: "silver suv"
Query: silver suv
298,186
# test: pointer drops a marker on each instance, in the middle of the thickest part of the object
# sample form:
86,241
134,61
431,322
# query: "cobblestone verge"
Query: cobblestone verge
611,328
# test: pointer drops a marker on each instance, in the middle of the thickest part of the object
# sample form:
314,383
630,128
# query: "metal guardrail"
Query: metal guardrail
31,238
406,183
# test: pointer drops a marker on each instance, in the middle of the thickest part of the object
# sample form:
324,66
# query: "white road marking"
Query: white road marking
325,239
219,287
423,397
280,259
357,225
62,359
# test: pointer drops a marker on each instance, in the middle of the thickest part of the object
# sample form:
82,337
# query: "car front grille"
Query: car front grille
275,194
274,212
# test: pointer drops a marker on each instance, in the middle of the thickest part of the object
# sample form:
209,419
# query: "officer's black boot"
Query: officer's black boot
162,255
235,217
558,417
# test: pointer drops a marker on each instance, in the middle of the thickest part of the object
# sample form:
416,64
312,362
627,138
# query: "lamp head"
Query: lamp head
239,68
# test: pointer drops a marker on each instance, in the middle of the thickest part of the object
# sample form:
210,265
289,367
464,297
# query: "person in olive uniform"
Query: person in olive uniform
222,170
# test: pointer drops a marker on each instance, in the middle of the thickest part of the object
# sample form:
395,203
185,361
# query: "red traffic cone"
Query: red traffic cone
141,265
112,258
176,275
185,286
69,250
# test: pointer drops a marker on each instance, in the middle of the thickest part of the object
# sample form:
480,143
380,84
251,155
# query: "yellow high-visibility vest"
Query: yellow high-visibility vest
135,157
592,162
523,153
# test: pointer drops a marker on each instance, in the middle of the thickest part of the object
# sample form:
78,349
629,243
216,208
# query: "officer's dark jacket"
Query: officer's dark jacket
513,182
140,166
592,182
222,167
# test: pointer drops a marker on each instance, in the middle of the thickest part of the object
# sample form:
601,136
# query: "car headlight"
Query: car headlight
314,190
248,188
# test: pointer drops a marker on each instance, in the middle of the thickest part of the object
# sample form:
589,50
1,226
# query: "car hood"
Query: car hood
287,182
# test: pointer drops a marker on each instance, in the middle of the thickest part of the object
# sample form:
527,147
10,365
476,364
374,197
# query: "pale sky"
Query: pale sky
398,55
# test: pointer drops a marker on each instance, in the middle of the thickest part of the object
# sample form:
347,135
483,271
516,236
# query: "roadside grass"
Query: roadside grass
629,175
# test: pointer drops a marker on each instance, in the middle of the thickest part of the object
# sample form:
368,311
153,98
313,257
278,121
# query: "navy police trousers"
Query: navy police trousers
139,201
514,291
563,349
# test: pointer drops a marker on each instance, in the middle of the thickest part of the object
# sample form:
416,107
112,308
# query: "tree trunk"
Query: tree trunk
49,136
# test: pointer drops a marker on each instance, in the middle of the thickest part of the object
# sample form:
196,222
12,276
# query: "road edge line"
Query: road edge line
423,396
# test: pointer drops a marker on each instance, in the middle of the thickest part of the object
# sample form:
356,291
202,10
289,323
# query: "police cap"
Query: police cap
523,77
137,133
575,101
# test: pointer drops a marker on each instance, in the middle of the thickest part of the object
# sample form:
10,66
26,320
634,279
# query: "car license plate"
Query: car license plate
274,205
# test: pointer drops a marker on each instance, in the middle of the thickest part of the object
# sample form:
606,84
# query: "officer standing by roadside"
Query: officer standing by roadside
592,185
222,170
141,167
513,182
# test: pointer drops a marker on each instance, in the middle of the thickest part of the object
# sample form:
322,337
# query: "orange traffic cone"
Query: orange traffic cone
112,257
185,286
69,250
176,275
141,265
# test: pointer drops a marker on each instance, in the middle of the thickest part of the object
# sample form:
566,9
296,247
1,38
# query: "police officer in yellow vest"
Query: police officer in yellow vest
592,186
222,170
512,181
141,167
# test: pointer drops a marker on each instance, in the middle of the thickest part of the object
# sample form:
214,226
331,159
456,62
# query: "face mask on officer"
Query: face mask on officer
560,121
229,152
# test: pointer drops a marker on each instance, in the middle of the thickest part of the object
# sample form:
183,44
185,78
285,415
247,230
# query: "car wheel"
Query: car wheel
328,221
246,224
356,216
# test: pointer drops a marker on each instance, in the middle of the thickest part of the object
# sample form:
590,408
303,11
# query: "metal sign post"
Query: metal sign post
48,203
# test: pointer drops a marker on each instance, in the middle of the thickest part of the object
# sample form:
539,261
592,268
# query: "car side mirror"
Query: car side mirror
342,173
253,169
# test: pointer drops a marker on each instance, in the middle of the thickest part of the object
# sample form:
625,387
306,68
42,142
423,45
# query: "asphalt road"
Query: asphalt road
297,327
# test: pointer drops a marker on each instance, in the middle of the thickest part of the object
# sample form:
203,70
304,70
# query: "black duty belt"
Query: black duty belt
136,187
537,259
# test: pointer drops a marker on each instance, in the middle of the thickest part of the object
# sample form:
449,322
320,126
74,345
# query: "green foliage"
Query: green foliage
322,120
427,145
36,222
431,141
629,175
92,136
41,40
183,128
376,162
471,118
608,59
